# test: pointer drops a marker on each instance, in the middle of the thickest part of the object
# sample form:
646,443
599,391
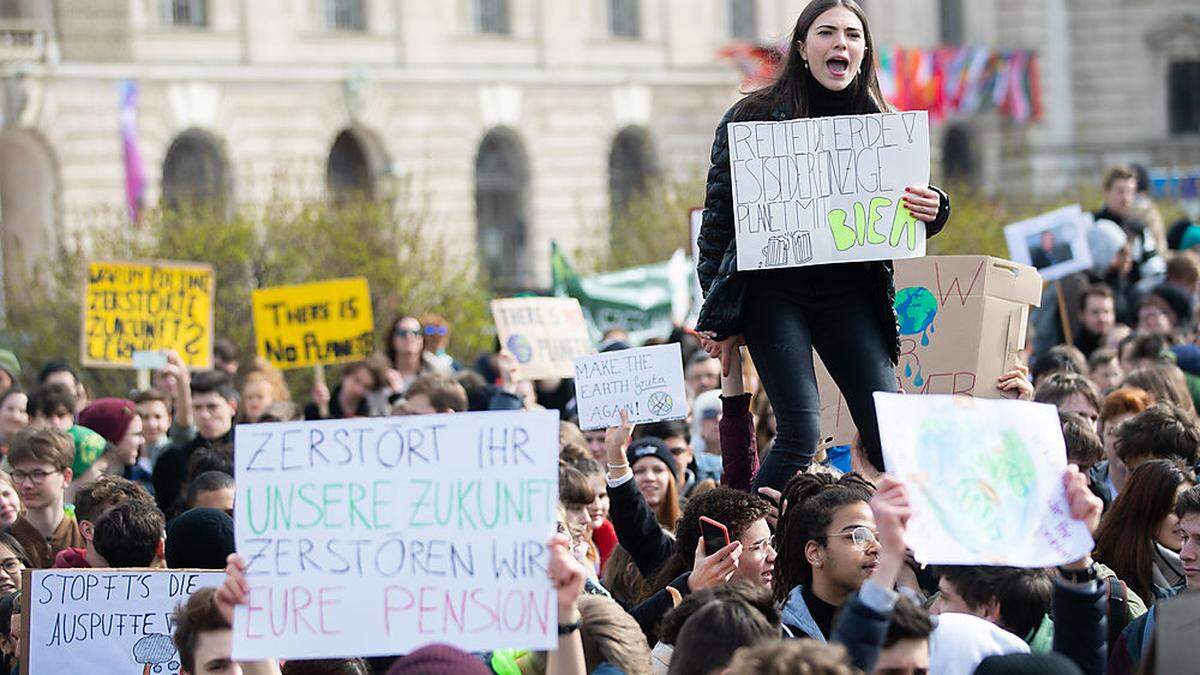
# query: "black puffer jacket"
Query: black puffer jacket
724,288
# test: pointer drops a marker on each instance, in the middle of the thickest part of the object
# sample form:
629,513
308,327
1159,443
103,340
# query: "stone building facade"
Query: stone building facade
516,122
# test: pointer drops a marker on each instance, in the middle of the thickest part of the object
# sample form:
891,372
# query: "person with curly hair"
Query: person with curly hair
680,565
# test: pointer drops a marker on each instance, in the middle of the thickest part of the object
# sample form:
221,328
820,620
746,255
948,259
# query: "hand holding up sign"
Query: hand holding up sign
922,202
892,511
1085,507
615,440
566,576
235,589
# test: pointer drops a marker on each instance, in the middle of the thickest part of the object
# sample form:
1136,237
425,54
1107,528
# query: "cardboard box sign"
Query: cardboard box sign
962,321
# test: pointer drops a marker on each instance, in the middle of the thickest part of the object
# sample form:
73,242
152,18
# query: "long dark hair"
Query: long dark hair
1125,540
811,501
789,91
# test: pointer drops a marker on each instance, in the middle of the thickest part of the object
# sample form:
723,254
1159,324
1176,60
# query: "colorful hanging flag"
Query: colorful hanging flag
135,174
948,81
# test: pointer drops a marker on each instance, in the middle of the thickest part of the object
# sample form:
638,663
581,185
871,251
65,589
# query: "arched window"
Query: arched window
1183,97
501,207
28,199
491,16
958,156
184,12
349,173
195,174
951,21
624,18
631,167
346,15
743,19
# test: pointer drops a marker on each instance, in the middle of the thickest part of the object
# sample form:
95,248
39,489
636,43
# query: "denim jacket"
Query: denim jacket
797,615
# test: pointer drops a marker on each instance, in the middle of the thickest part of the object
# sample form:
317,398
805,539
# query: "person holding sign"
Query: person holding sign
844,309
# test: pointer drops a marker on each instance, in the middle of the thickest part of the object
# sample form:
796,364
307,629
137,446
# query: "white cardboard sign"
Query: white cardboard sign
647,382
827,189
984,479
376,536
106,620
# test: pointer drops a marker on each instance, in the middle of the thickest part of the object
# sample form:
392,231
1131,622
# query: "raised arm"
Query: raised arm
637,529
739,447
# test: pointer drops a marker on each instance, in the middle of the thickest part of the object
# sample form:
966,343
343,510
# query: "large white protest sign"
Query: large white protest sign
105,620
827,189
984,479
368,537
646,382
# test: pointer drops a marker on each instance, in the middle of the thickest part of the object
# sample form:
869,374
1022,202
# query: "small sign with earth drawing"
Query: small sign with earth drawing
646,382
543,334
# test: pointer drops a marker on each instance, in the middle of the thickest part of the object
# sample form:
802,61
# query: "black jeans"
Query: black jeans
784,324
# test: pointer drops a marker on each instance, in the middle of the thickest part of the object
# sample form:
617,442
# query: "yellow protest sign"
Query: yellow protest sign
314,324
132,307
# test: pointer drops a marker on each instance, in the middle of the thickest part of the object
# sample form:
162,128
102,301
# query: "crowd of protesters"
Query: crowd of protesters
814,574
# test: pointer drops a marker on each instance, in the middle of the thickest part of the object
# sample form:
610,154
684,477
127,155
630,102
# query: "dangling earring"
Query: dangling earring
805,63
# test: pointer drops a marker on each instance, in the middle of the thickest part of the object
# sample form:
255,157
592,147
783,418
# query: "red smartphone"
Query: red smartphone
716,535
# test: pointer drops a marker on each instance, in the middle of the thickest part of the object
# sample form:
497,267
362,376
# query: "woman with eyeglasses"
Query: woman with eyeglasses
828,547
13,560
407,359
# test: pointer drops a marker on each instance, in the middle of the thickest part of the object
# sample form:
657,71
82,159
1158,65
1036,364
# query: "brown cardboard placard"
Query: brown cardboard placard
545,335
962,322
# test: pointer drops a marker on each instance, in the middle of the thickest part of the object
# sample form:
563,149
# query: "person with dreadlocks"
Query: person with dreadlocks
828,547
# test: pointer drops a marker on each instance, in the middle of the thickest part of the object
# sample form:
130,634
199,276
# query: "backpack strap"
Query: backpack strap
1118,610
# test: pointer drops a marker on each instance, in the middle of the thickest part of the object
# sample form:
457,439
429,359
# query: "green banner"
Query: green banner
647,301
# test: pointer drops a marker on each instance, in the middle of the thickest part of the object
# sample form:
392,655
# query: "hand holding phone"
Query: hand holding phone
715,535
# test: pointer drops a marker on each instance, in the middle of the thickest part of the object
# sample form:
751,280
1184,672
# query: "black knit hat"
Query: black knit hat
199,539
1028,664
649,446
1179,302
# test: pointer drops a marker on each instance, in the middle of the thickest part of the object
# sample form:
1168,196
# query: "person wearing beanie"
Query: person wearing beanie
653,468
199,539
1181,302
438,659
117,421
10,370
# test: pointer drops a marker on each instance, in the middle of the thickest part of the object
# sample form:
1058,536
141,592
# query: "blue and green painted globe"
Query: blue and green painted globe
916,308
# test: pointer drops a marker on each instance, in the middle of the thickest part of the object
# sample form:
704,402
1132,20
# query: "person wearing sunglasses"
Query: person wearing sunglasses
437,340
406,355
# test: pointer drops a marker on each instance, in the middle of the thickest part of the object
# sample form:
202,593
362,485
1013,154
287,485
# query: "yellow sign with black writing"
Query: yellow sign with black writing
314,324
133,307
